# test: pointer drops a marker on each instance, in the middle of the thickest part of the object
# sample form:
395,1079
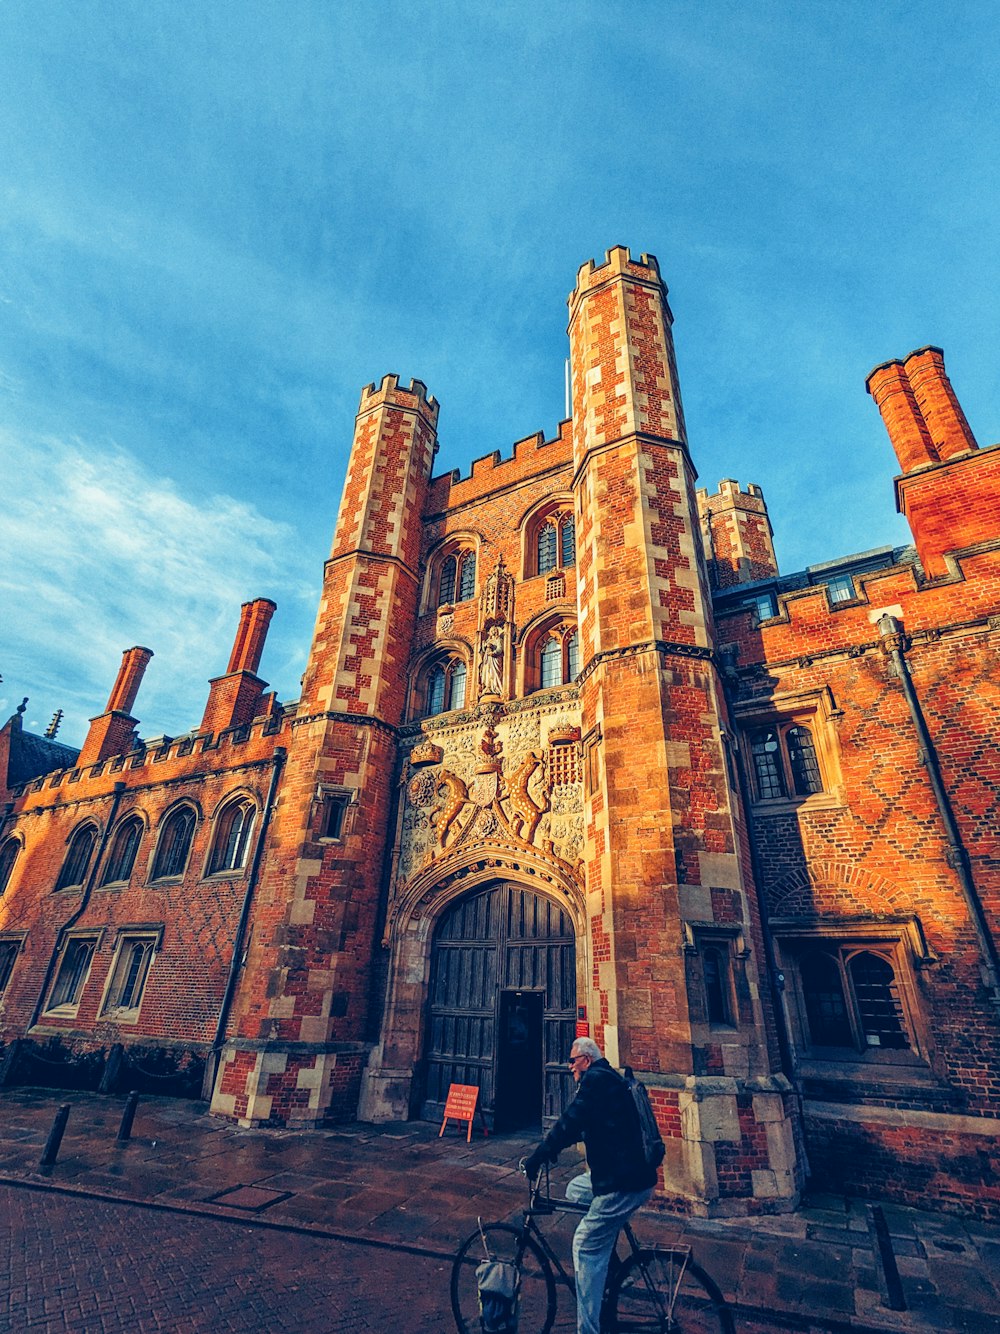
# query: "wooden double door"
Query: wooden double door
502,1006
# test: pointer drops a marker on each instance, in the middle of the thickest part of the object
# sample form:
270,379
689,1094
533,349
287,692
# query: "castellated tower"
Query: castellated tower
737,534
295,1047
666,873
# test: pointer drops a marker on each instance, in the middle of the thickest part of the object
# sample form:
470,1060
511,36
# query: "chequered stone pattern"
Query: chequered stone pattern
737,535
662,844
665,844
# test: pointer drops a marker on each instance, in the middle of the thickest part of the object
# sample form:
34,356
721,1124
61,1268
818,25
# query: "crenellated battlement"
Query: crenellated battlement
232,747
414,398
731,495
736,533
493,470
618,262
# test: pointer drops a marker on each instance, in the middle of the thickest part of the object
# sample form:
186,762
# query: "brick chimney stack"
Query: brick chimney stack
948,489
113,732
237,698
248,646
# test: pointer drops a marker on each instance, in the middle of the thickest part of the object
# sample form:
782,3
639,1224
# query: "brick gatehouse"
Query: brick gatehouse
571,755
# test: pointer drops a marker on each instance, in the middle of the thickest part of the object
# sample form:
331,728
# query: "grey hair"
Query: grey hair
588,1047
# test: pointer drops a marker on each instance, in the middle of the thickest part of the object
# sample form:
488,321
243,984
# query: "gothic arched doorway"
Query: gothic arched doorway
502,1006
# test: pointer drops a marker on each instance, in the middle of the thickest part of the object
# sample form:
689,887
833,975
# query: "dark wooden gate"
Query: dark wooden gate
498,939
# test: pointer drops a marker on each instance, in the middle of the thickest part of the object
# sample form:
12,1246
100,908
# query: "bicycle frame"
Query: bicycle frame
541,1206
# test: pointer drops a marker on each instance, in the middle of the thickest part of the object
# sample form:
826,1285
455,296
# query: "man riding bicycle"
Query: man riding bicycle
618,1181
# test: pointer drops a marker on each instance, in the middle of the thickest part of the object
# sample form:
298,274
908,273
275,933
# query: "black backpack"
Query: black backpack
653,1147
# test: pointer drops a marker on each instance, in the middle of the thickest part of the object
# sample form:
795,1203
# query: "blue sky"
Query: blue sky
219,221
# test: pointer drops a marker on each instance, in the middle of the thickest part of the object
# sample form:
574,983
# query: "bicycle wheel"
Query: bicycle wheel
537,1299
663,1290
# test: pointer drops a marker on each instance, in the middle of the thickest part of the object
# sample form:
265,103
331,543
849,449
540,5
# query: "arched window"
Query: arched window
121,858
128,976
74,867
879,1009
456,578
174,843
232,836
445,687
852,999
554,657
548,547
554,541
467,577
551,662
446,584
8,856
826,1008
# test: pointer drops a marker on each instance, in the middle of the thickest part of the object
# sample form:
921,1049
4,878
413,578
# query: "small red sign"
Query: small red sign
461,1106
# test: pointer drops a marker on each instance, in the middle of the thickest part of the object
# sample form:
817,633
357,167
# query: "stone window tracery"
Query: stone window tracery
853,1001
77,859
121,858
8,856
552,536
174,844
71,978
129,971
232,836
443,687
456,577
554,656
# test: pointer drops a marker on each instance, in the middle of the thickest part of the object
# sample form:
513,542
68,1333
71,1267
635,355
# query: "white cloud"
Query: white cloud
99,554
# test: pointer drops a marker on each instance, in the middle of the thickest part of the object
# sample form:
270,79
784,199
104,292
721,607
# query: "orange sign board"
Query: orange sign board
461,1106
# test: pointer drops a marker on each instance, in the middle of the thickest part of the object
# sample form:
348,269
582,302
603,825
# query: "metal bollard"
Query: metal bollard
51,1151
885,1260
128,1116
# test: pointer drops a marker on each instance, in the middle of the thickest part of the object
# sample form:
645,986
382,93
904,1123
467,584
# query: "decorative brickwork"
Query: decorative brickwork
740,826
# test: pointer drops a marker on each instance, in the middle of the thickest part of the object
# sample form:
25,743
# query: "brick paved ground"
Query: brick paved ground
411,1196
96,1267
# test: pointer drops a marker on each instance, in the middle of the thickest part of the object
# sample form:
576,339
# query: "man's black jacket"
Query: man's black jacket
603,1115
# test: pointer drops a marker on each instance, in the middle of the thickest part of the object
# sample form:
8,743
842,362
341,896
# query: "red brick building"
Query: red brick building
570,755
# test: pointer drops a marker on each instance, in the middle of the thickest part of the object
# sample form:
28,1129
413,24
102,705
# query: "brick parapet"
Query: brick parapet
533,457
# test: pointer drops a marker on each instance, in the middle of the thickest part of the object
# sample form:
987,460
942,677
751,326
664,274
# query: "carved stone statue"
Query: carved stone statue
491,663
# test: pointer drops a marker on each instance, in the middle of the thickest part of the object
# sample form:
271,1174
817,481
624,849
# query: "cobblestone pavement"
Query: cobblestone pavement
97,1267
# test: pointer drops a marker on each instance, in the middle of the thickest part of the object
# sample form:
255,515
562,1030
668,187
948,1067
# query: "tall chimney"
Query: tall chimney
890,387
948,488
938,405
113,732
235,699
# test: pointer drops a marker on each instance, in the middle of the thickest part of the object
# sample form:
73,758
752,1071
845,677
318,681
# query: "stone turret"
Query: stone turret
737,534
296,1048
665,876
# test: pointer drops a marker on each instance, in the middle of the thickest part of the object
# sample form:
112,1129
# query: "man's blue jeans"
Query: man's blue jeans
593,1242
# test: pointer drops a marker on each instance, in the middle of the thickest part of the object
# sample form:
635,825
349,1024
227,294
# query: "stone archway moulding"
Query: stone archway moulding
422,900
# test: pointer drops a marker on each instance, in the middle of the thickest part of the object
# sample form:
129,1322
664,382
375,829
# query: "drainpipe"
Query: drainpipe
74,917
894,643
235,963
775,978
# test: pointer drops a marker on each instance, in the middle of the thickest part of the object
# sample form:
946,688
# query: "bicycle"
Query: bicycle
650,1290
